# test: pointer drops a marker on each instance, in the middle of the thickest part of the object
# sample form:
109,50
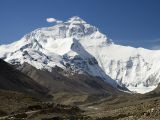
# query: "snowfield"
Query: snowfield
82,48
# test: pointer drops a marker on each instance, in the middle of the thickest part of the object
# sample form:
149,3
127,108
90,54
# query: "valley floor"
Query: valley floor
133,109
17,106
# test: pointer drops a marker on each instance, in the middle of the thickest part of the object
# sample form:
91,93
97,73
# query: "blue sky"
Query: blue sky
128,22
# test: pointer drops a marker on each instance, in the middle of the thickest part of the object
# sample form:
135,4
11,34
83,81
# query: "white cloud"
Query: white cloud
59,21
53,20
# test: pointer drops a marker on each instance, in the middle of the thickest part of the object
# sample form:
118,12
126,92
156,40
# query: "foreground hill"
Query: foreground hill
68,87
14,80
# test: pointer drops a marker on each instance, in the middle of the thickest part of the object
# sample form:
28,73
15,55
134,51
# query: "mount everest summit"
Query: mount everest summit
79,47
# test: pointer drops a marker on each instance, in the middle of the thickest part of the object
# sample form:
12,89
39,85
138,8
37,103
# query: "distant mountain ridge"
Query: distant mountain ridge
79,47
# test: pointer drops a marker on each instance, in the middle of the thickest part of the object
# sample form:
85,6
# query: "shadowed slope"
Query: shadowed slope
12,79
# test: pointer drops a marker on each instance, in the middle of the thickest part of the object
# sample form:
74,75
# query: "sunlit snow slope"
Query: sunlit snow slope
77,46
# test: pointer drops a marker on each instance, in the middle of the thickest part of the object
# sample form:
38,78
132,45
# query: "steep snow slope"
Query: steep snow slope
136,68
78,46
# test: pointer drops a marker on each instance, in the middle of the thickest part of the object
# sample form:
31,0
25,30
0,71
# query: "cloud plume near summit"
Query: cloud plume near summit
53,20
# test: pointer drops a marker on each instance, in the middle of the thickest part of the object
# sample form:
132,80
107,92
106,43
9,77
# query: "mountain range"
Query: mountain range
77,48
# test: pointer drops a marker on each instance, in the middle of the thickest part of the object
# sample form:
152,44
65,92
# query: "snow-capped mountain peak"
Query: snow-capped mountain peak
76,20
80,47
